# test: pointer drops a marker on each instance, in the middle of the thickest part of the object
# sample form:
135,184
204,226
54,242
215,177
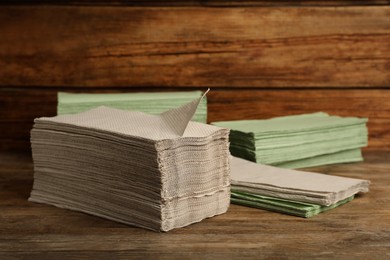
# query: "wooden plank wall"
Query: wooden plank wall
260,58
229,3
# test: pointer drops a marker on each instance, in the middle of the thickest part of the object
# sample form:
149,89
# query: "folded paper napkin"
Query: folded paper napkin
151,103
296,208
154,171
345,156
299,140
315,188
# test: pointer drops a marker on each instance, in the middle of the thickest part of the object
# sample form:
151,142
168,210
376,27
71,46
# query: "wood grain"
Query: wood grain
18,108
358,230
201,2
259,104
83,46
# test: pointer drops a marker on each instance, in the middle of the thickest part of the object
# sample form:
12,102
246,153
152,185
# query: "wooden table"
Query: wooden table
360,229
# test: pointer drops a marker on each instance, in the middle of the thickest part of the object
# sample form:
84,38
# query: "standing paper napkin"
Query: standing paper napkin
154,171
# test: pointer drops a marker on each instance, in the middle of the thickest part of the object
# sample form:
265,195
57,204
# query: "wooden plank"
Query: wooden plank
201,3
250,104
18,108
194,47
359,229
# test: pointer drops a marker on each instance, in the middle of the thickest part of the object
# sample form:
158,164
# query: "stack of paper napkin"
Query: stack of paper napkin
151,103
299,193
298,141
154,171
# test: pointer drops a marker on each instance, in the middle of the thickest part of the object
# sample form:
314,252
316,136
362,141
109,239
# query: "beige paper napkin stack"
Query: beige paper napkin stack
157,172
293,185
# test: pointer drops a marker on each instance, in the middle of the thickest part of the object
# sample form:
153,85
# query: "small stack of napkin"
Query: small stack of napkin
154,171
151,103
299,193
298,141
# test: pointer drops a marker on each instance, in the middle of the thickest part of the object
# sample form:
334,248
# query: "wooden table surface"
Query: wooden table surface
360,229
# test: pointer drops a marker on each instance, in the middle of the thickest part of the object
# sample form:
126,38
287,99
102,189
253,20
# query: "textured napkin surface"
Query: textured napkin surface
296,185
346,156
298,141
291,124
154,171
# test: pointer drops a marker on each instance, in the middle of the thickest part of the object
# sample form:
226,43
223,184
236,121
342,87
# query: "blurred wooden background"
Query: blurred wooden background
260,58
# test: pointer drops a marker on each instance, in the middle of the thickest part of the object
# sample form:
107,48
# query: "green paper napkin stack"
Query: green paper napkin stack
151,103
293,192
298,141
295,208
